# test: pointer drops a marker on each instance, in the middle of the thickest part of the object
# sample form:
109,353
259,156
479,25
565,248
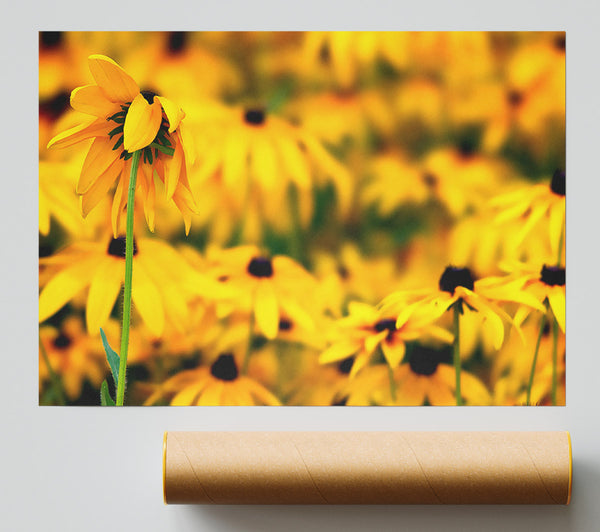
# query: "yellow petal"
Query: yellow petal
141,124
174,114
492,321
234,159
266,309
394,352
150,194
147,300
91,100
98,159
119,200
264,161
339,351
188,395
173,169
64,286
557,226
104,290
411,391
261,393
374,340
439,394
212,394
294,161
116,84
91,128
556,297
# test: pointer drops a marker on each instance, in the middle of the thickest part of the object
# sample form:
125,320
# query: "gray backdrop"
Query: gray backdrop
99,469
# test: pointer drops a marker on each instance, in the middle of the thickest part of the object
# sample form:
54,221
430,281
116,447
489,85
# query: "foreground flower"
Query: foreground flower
366,328
101,265
127,120
219,384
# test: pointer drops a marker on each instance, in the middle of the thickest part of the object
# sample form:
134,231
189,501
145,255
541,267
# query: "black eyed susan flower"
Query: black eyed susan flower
428,377
127,120
219,384
458,286
366,328
269,288
536,204
101,265
248,147
73,355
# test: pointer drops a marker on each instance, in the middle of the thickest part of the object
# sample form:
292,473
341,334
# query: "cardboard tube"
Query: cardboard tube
367,467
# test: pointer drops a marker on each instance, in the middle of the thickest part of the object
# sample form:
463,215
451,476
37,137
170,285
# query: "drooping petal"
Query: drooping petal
556,297
212,394
64,286
394,352
440,394
373,340
266,310
116,84
411,391
492,321
104,290
146,176
147,300
556,226
173,167
189,394
142,123
92,128
264,161
294,161
174,114
99,157
90,100
119,201
261,393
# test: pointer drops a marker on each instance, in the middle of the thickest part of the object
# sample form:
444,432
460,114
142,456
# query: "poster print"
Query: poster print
303,218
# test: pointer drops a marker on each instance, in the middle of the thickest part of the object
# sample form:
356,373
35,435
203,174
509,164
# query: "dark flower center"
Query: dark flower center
388,324
345,365
341,402
553,275
260,267
430,179
424,361
45,250
558,185
285,325
466,147
560,42
325,54
343,272
454,277
224,368
149,95
116,248
176,41
514,97
255,117
54,107
62,341
51,39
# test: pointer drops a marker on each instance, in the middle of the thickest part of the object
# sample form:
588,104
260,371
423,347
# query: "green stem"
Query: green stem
128,277
456,349
54,378
554,360
535,356
249,345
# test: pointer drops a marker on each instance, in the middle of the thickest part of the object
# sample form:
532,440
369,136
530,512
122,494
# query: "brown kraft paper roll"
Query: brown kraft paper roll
367,467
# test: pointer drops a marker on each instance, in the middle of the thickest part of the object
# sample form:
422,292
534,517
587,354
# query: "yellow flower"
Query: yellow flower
159,282
539,285
247,149
74,356
219,384
426,378
268,287
457,285
127,120
536,204
365,328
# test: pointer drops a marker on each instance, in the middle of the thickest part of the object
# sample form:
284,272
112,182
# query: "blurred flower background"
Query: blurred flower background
349,188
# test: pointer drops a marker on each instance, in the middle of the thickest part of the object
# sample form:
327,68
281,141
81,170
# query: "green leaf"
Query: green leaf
111,356
105,398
